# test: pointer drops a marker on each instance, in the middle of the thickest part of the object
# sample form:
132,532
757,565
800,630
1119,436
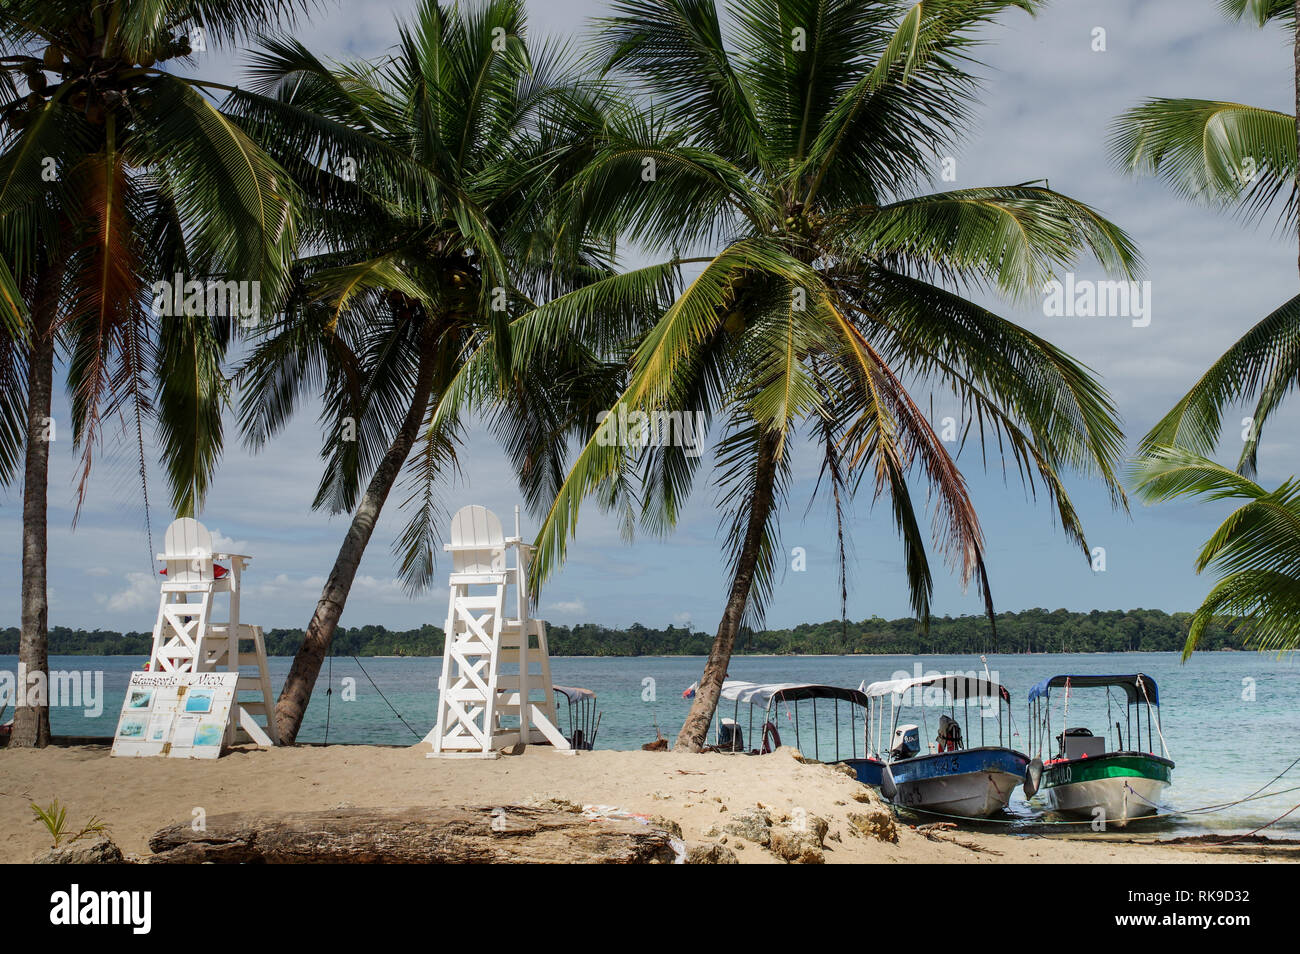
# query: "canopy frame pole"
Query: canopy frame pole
853,733
837,728
965,707
798,741
817,752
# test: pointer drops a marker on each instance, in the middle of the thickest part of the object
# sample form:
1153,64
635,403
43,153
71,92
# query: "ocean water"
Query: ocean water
1231,720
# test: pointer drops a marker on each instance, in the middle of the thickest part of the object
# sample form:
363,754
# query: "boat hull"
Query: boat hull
1113,788
974,783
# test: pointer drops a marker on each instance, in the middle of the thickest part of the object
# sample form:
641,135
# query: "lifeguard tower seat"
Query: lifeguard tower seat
489,695
186,639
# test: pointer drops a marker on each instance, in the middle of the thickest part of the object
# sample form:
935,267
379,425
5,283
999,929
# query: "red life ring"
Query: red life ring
770,736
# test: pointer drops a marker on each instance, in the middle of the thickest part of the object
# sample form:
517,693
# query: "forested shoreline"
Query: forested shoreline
1036,630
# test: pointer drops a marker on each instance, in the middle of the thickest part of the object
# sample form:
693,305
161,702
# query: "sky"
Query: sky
1049,99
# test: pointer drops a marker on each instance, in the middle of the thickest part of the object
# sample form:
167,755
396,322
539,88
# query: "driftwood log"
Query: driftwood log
476,835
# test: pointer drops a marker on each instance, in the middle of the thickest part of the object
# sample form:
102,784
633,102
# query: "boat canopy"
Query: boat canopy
764,694
574,694
1132,684
959,687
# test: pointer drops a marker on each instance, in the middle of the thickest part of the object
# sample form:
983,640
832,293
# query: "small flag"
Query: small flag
689,691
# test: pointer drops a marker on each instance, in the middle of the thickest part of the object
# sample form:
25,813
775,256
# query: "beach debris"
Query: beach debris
938,832
754,825
796,847
658,745
802,841
478,834
711,854
99,850
878,824
551,803
667,824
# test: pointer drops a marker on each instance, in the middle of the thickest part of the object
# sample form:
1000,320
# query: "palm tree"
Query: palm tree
429,175
787,150
1256,549
1228,154
115,174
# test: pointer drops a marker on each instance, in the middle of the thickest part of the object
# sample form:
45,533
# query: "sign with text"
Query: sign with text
179,715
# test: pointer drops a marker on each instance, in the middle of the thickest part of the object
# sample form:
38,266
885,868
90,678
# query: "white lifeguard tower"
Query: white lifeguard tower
186,639
489,695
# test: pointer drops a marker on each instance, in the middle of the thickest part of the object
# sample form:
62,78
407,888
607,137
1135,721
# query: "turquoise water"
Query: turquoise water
1231,720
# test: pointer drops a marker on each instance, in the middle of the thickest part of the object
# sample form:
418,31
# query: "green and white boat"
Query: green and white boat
1110,779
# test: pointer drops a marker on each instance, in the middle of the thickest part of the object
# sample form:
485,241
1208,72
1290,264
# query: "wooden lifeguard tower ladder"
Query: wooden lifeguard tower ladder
489,696
186,639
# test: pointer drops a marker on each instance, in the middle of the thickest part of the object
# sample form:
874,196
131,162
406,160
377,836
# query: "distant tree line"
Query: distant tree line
1035,630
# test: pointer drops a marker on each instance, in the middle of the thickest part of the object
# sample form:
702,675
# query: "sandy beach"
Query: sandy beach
704,794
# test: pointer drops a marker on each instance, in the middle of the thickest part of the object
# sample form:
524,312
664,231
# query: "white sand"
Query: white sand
136,797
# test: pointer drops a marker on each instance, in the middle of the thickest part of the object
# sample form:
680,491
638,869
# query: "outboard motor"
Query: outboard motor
730,737
907,742
949,738
1078,732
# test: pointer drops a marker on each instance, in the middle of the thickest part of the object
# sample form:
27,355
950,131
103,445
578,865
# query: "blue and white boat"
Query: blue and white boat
955,777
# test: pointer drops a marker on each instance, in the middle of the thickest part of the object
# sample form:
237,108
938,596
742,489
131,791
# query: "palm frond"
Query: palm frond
1214,152
1264,361
1012,237
1261,11
1256,550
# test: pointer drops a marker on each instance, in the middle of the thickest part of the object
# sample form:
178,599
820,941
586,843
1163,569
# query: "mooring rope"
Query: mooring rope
1248,834
1027,822
1206,810
1211,809
385,698
1273,779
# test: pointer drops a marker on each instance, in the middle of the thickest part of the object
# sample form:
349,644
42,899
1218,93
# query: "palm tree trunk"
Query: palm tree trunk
31,727
696,727
291,707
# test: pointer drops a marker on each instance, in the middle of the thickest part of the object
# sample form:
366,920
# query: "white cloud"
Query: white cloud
567,608
141,592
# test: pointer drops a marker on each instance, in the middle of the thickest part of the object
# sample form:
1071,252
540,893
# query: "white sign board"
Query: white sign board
179,715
